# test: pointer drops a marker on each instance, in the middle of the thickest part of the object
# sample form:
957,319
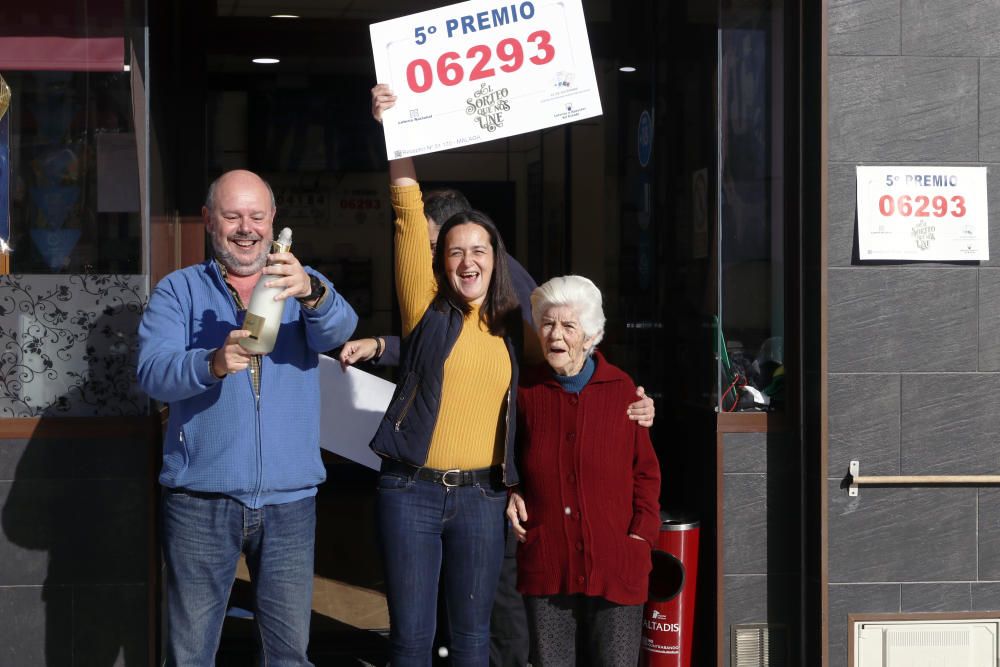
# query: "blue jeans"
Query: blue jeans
508,620
203,537
429,531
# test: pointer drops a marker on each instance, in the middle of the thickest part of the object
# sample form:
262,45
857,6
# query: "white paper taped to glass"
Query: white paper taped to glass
483,70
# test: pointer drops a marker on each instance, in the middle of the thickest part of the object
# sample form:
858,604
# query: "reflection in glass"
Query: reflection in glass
74,174
750,324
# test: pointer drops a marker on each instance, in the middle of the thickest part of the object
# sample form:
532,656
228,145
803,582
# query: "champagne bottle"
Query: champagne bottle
263,317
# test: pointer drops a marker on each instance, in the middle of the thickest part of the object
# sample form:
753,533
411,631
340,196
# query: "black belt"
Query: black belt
492,476
203,495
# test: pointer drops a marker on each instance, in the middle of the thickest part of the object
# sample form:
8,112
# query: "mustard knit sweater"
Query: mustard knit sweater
469,430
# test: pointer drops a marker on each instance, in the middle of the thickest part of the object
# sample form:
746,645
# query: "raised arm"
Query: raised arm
401,171
415,283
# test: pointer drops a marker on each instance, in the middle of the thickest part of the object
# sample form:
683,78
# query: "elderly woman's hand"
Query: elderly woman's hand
517,513
642,410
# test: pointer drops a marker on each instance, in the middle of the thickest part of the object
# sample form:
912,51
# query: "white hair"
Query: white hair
577,293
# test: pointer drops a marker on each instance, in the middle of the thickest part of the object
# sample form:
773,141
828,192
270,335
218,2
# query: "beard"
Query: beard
234,264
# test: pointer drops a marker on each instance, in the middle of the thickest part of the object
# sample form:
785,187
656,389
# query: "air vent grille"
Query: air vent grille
939,642
759,645
926,638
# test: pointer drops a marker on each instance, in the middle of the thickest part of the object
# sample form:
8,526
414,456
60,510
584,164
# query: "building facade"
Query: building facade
714,203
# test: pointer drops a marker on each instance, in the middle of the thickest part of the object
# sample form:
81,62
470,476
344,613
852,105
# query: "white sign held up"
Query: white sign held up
923,213
483,70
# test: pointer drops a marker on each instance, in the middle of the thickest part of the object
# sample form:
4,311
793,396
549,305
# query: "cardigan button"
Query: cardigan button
579,579
573,400
567,510
571,436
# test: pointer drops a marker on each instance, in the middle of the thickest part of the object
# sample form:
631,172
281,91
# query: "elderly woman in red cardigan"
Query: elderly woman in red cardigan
587,510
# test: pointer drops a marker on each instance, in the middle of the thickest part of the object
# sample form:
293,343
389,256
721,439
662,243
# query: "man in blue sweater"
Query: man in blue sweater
241,458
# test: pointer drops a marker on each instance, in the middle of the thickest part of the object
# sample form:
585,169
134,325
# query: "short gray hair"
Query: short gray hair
578,293
210,195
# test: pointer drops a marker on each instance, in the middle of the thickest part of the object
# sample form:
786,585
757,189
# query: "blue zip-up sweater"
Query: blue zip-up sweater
406,429
220,438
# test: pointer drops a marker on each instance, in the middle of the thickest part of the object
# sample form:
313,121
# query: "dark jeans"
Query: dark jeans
203,538
508,622
429,531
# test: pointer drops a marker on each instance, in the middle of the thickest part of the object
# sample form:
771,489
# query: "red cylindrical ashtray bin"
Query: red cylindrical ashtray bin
668,619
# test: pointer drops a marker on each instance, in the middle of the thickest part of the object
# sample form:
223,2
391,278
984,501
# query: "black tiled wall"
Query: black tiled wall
914,348
74,552
760,544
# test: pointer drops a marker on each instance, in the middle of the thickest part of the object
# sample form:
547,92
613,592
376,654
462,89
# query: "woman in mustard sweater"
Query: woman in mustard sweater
447,436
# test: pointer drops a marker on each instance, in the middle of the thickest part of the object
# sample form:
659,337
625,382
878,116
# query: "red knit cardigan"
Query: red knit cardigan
589,477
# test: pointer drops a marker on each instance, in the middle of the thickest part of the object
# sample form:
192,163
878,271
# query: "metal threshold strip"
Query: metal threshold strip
856,479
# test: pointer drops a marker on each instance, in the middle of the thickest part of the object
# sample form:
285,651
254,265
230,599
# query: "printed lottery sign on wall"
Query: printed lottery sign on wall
923,213
479,70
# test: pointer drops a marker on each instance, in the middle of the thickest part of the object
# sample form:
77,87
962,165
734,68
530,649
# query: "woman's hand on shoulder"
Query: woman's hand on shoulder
643,410
517,514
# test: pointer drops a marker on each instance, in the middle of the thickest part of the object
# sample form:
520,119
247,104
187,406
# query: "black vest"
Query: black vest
406,429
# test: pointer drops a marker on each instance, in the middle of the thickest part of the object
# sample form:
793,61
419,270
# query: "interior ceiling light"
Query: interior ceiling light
266,61
626,68
284,16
